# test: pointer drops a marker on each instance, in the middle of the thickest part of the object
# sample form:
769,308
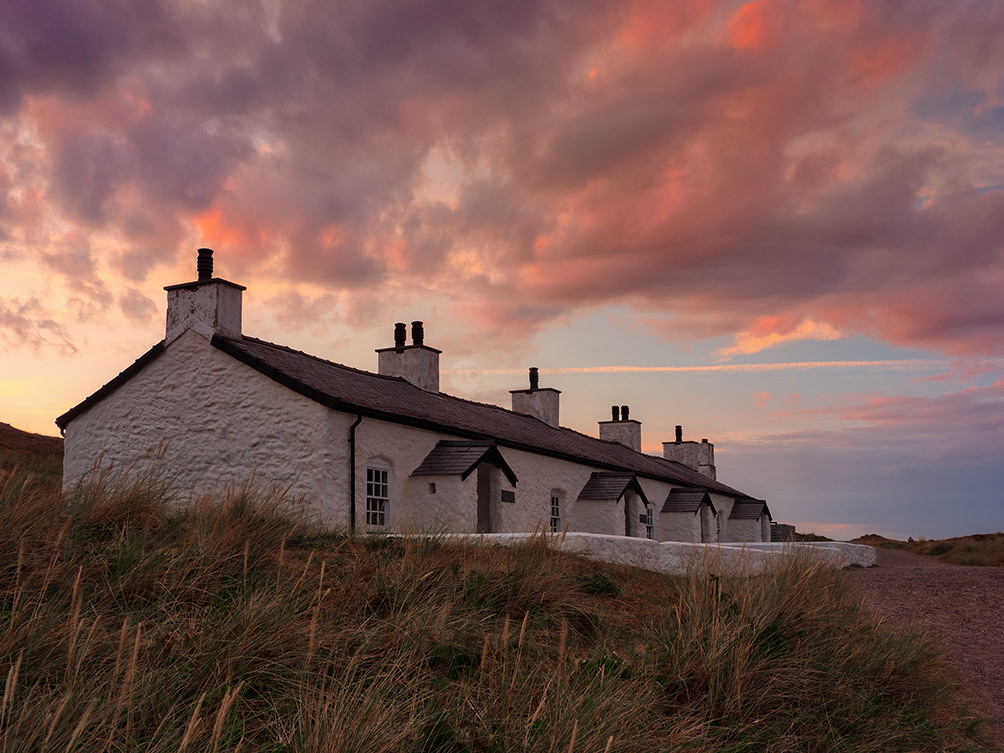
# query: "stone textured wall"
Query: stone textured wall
628,433
678,558
206,420
418,364
209,420
723,506
541,403
745,530
679,526
209,308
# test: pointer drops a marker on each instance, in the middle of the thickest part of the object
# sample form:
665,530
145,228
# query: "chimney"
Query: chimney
537,402
209,306
621,428
698,456
416,363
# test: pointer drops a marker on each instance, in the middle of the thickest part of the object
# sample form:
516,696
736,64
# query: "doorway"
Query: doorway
485,498
629,514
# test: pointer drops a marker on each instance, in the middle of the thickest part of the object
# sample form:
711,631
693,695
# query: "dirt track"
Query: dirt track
964,606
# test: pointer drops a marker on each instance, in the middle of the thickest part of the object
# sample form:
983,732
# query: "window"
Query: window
648,523
377,496
555,524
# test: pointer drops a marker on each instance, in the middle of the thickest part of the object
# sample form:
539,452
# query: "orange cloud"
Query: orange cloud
749,29
763,335
221,230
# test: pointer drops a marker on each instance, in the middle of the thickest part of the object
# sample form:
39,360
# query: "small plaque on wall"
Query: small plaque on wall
508,496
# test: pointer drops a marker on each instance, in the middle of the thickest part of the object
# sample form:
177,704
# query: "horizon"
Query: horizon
778,224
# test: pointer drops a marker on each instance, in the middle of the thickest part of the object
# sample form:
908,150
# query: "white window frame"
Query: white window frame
649,523
378,495
554,522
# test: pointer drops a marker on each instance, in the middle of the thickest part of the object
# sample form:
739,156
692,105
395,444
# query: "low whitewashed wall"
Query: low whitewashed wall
848,555
677,558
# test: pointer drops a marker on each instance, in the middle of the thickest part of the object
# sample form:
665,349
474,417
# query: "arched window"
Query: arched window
377,494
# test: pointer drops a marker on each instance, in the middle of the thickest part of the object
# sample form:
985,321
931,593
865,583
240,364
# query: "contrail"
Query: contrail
913,364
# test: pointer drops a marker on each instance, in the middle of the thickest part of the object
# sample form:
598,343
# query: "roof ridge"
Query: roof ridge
311,356
467,400
674,468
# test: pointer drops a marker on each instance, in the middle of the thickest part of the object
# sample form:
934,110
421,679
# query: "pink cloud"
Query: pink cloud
774,171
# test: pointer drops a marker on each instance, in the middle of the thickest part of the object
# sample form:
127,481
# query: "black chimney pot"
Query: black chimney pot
534,378
615,412
400,334
679,434
624,413
205,264
417,333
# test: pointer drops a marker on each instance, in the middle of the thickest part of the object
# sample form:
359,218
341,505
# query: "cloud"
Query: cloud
769,331
908,364
924,466
26,323
722,167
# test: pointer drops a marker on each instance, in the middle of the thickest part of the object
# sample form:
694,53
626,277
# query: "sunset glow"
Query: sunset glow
776,221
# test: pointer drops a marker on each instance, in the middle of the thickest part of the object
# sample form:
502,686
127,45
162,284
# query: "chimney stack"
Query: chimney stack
622,428
698,456
416,363
210,306
541,403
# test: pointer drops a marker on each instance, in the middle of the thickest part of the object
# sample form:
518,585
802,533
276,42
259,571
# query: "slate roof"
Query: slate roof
604,485
687,500
393,399
749,509
460,458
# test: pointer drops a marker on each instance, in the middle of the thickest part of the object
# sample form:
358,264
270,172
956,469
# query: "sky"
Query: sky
779,224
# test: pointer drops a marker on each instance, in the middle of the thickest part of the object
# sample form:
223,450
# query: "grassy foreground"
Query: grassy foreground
127,624
982,549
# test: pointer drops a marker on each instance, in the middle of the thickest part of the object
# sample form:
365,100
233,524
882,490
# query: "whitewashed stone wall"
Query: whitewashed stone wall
679,526
723,506
216,421
678,558
452,508
709,521
745,530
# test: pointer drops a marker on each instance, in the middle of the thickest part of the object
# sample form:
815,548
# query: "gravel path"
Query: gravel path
962,605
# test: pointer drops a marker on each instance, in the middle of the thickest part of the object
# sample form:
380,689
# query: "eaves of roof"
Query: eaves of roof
105,390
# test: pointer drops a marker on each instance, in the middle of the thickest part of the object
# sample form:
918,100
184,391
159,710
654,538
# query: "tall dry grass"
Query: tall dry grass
129,622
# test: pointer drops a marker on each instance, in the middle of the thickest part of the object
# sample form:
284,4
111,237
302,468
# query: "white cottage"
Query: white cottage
388,451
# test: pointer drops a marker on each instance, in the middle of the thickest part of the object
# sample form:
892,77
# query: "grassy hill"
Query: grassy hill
37,453
983,549
131,624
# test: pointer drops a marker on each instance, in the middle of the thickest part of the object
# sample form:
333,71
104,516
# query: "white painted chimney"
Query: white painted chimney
210,305
621,428
416,363
538,402
699,456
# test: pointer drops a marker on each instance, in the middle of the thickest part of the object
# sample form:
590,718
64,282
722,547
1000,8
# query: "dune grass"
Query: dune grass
981,550
130,623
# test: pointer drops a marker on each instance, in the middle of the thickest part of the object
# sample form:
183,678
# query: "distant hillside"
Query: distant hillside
35,452
984,549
